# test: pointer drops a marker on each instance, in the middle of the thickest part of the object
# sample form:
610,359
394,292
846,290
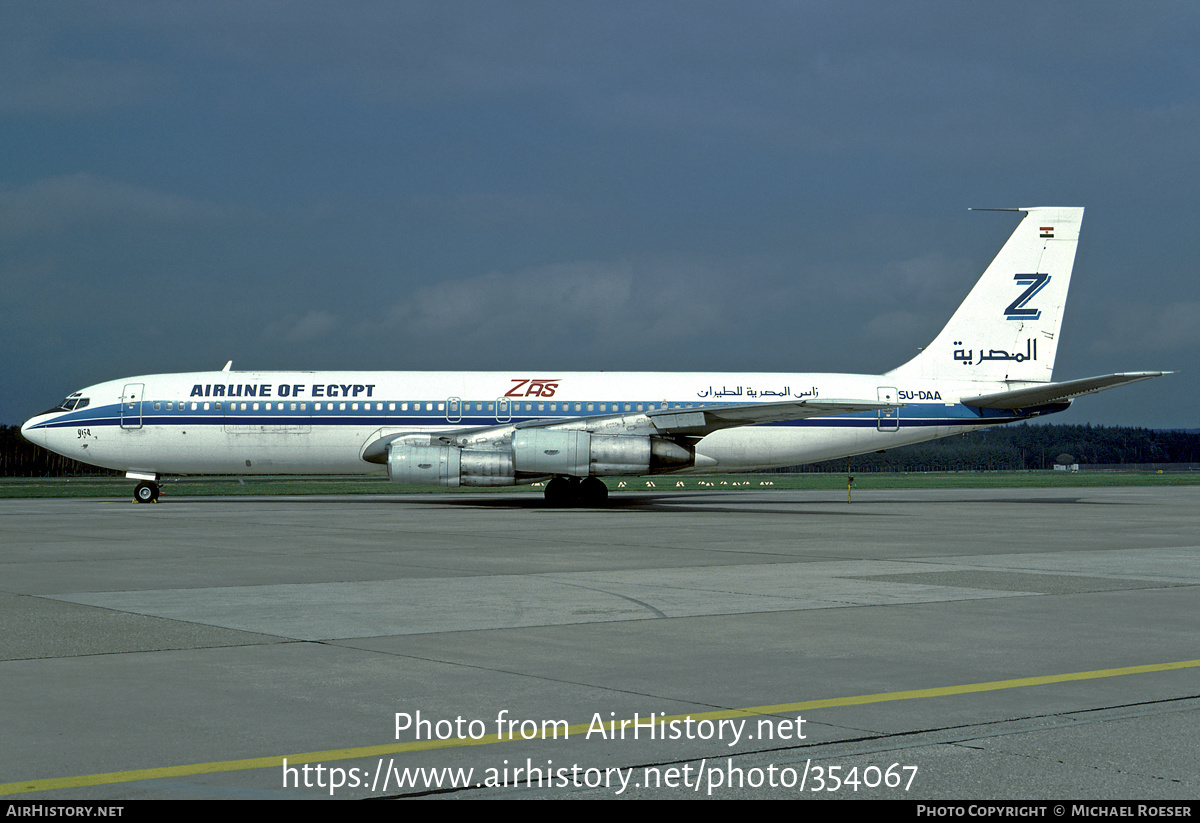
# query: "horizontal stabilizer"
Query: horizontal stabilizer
1056,392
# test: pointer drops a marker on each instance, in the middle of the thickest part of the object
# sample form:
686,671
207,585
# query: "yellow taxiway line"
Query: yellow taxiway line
276,761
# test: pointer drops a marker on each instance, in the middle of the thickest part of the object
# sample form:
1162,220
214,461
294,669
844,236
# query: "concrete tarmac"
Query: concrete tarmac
952,644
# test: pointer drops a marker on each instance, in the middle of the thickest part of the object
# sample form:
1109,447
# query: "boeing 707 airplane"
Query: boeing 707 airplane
991,364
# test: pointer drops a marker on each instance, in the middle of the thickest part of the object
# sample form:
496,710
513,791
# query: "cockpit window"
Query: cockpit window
73,402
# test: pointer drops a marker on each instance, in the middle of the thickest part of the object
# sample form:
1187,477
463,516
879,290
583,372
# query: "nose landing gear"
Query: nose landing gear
146,492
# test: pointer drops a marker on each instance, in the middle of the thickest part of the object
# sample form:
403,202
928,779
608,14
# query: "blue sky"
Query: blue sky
577,186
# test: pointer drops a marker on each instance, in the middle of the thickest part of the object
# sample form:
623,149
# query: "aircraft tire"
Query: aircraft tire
559,492
146,492
592,492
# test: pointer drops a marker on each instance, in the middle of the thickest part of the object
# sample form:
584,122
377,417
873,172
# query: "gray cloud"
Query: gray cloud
585,305
1171,329
41,75
627,185
54,204
314,325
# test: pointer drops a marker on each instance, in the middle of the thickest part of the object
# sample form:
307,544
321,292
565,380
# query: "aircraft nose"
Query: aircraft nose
36,436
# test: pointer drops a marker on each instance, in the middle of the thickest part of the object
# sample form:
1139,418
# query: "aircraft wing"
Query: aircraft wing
695,422
1056,392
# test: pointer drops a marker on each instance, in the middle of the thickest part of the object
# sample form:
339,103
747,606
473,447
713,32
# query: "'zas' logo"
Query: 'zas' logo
533,388
1017,309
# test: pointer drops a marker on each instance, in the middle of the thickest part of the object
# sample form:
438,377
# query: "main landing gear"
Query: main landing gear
572,491
146,492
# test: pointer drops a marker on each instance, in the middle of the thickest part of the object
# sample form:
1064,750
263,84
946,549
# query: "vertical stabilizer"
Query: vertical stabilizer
1007,328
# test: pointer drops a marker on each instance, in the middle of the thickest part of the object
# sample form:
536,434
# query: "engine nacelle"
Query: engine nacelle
580,453
536,453
449,466
433,465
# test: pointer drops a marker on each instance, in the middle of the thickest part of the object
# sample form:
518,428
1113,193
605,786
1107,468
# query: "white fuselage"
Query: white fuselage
321,422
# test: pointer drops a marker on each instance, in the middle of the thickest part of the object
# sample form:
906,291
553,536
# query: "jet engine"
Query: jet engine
536,454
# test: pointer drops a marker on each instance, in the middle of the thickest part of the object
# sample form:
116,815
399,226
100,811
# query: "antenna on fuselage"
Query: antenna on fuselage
228,366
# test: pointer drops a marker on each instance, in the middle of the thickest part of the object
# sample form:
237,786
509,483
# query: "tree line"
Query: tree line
1030,447
1001,448
20,458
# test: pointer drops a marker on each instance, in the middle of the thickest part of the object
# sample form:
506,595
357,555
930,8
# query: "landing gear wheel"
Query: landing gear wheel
559,492
146,492
572,491
593,492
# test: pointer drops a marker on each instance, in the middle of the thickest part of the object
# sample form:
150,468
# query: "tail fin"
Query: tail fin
1007,328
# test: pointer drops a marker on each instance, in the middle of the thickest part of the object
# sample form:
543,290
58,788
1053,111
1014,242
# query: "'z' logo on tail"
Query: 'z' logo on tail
1016,309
